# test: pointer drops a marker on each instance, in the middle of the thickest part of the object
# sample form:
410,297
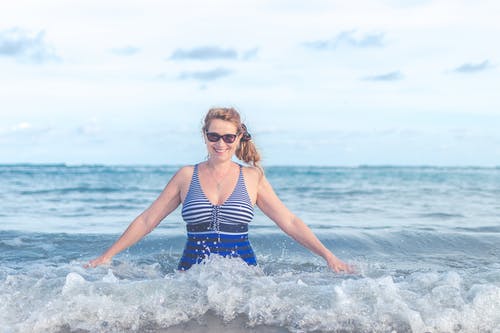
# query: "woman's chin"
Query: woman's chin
225,155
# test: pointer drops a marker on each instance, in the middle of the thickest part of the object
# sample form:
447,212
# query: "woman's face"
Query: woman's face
221,150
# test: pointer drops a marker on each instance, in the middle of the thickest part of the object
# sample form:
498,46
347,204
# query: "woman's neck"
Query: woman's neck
219,165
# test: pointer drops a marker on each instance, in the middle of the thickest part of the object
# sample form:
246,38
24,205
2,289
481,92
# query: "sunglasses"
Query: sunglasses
214,137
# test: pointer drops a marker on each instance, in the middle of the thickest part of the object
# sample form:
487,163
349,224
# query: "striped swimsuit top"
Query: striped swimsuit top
220,229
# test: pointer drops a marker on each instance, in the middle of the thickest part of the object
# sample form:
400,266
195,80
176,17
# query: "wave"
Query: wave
80,189
226,293
480,229
407,280
415,242
441,215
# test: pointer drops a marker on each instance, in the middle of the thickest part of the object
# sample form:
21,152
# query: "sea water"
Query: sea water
425,242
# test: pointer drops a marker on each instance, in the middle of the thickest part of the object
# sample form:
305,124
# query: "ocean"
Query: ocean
425,242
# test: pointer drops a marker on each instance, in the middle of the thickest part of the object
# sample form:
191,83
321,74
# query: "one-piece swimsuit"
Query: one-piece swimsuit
216,229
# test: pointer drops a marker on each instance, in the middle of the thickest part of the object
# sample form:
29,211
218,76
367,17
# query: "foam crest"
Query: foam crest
14,242
67,298
73,281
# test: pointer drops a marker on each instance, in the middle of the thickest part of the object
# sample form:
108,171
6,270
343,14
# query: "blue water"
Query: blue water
425,241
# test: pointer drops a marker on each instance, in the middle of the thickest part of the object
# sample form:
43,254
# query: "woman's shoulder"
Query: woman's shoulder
186,168
184,173
253,173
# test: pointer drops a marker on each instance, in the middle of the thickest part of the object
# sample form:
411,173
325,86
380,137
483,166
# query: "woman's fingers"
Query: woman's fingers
96,262
339,266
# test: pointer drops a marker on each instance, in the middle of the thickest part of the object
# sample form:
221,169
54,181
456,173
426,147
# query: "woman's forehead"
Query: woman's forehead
221,126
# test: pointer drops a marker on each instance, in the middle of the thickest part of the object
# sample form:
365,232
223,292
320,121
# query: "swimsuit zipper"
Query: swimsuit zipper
215,221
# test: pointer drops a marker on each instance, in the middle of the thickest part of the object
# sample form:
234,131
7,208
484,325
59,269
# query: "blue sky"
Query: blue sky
317,82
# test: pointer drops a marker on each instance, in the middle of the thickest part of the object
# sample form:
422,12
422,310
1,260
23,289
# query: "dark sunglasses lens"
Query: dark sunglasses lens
213,137
229,138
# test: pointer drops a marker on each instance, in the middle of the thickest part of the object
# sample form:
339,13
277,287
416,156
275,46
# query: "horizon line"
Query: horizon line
360,166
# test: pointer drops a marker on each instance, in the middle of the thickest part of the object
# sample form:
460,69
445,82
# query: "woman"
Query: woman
217,198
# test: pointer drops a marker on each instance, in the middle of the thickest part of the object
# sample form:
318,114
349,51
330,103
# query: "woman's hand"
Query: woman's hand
338,265
102,260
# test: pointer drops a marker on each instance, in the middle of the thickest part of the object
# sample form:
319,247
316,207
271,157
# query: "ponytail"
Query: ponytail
247,151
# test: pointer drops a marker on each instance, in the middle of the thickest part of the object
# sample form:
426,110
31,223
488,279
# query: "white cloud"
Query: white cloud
25,46
21,126
210,52
90,128
468,68
349,39
390,76
206,75
126,50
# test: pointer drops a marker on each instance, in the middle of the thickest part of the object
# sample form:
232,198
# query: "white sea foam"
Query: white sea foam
99,301
14,242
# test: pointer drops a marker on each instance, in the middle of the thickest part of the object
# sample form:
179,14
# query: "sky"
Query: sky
342,83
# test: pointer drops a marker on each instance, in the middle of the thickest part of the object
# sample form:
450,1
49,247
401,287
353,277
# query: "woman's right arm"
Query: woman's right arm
167,202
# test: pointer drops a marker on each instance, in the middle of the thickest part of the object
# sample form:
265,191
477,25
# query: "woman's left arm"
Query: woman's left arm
273,207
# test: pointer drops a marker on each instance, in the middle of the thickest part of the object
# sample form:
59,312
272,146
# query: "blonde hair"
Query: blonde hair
246,151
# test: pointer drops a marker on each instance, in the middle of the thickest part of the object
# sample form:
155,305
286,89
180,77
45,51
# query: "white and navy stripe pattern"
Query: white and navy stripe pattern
221,229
